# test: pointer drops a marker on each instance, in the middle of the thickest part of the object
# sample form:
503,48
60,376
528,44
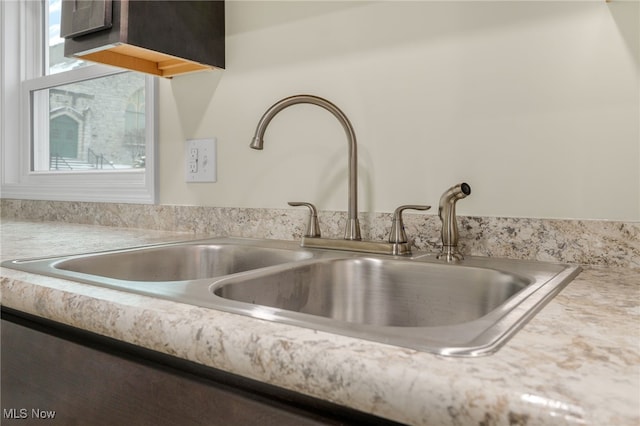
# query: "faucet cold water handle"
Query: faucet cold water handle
313,227
397,234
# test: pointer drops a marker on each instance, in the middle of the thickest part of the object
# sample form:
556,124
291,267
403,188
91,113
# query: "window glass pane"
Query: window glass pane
57,61
97,124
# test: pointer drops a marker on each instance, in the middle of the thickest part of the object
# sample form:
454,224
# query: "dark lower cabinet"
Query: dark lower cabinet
53,374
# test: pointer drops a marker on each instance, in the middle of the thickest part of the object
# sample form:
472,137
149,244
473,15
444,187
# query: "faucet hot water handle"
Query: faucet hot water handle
313,227
397,234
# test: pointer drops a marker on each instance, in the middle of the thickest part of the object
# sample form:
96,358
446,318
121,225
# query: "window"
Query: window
102,110
82,132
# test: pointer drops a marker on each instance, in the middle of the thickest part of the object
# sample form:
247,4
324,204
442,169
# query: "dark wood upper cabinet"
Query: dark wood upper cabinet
160,37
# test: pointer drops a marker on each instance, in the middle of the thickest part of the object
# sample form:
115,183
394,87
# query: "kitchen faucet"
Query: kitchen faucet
397,243
352,229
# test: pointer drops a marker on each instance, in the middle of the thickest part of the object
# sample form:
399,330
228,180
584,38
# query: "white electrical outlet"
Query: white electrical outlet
200,157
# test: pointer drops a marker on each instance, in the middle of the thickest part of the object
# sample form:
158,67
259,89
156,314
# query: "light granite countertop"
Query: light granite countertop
576,362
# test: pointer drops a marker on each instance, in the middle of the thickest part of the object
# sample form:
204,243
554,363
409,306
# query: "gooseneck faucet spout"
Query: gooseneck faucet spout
447,214
352,230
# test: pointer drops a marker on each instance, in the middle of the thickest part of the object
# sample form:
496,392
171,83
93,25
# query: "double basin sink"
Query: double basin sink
465,309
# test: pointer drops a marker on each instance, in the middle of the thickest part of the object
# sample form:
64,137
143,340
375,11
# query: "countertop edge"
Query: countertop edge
358,374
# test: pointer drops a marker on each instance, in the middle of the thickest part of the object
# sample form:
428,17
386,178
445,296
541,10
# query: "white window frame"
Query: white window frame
21,65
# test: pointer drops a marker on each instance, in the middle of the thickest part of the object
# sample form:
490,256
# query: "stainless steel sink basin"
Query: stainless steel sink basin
179,262
466,309
378,292
172,262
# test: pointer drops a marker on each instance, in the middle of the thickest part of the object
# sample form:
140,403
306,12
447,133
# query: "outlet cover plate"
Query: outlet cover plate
200,160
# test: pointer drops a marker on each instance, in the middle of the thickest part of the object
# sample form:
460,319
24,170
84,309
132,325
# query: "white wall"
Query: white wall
534,104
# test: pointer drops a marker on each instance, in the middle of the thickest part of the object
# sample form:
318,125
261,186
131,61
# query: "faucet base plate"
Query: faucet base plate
375,247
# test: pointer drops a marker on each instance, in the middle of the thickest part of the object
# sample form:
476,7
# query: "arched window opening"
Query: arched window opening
63,137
